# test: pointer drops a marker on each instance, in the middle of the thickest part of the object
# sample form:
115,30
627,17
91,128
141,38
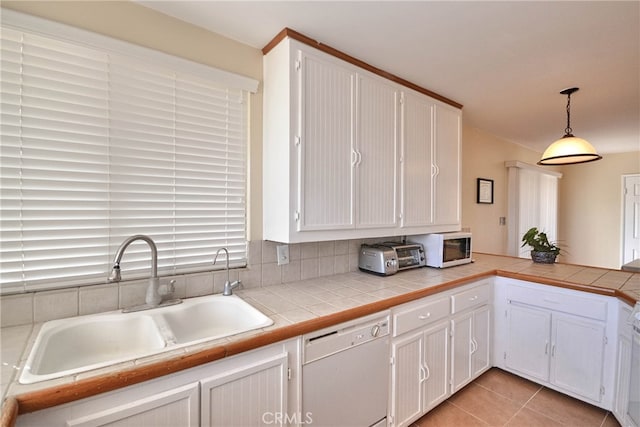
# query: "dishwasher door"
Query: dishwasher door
345,378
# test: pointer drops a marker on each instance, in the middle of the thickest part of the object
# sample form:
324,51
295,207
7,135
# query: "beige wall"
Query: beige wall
131,22
591,209
483,156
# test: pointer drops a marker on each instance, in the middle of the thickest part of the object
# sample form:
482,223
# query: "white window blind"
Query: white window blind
98,146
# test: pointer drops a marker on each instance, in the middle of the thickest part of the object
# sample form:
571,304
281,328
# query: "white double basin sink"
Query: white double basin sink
69,346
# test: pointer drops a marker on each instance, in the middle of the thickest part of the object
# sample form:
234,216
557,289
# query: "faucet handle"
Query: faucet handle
167,288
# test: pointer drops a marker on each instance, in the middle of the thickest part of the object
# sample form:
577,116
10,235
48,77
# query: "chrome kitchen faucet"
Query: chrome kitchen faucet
228,286
154,296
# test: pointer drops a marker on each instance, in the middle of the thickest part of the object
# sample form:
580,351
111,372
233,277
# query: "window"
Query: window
532,202
102,140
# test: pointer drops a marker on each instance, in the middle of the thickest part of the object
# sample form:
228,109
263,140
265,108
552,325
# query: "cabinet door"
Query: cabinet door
436,356
577,352
623,375
132,407
375,153
528,341
407,375
461,348
416,161
325,151
446,152
480,361
251,395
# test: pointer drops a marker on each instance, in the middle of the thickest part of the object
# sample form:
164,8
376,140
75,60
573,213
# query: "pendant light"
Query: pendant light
569,149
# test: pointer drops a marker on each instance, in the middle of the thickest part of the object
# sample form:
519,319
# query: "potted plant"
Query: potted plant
542,250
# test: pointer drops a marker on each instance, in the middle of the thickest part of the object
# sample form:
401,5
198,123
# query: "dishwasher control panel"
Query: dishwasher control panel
328,341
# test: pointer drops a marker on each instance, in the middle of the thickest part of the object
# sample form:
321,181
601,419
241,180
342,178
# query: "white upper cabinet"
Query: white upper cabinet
417,160
446,180
332,147
430,165
325,137
375,152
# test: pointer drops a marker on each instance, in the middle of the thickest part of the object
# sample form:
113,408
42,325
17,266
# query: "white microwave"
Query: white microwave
445,249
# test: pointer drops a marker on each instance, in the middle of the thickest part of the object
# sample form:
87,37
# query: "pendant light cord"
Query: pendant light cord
568,129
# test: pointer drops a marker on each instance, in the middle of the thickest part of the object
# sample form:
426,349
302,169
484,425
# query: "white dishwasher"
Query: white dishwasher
345,373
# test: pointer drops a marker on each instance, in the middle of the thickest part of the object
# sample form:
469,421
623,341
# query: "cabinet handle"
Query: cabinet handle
424,316
553,350
473,298
474,345
428,372
423,375
546,347
354,158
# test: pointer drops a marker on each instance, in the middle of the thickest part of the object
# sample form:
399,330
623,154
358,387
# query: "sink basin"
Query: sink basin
211,317
78,344
68,346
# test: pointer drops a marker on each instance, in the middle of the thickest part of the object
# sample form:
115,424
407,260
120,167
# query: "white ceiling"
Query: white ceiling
506,62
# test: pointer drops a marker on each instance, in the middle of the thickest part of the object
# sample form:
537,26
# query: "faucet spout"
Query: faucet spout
115,271
226,252
228,286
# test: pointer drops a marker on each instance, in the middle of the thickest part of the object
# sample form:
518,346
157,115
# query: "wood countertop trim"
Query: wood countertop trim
54,396
9,412
49,397
288,32
610,292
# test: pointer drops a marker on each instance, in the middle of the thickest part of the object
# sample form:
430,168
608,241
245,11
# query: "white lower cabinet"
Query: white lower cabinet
623,365
470,343
440,343
564,350
528,341
567,351
419,373
577,352
155,403
170,408
248,396
250,389
558,338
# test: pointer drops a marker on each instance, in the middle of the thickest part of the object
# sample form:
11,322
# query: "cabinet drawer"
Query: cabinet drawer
418,314
475,296
571,303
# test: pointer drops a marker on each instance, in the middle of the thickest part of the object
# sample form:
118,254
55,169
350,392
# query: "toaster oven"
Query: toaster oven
390,257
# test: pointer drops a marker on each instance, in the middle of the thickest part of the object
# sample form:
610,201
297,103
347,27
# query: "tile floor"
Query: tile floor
498,398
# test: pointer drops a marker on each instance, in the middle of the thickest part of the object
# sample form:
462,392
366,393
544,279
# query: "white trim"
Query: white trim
522,165
31,24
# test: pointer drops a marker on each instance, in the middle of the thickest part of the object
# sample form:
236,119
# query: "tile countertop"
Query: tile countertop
296,308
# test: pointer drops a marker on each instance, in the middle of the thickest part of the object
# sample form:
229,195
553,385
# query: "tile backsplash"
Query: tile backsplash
306,261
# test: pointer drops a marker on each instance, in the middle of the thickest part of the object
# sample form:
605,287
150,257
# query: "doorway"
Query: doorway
630,217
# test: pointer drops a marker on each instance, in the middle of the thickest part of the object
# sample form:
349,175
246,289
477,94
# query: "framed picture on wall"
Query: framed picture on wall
485,191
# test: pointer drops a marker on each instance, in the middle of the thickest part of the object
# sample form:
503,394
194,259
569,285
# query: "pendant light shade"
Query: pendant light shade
569,149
